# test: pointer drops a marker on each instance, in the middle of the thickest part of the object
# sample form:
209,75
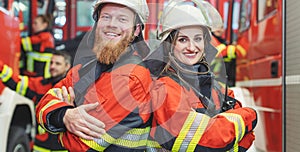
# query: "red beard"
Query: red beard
109,52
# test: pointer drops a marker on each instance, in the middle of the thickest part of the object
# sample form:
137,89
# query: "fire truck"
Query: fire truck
268,75
260,74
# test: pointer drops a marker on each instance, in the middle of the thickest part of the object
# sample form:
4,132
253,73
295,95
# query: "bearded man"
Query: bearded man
113,87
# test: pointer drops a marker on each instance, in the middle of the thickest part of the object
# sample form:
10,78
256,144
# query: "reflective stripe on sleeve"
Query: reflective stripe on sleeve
49,104
241,50
6,73
22,85
220,48
191,132
239,127
231,52
26,43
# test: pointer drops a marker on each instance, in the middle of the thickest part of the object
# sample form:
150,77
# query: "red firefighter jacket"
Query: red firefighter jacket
39,42
30,87
179,126
123,96
228,51
36,55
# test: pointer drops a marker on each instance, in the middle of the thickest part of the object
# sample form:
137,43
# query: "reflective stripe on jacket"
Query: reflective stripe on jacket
30,87
38,42
39,63
38,58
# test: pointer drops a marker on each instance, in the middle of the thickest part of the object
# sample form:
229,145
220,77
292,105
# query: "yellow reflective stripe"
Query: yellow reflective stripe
60,138
241,50
199,132
184,131
21,26
153,144
195,132
47,68
41,130
42,149
239,125
6,73
133,138
26,43
231,52
93,144
22,85
131,144
99,144
235,148
55,91
49,104
227,59
217,63
40,57
21,63
138,131
221,47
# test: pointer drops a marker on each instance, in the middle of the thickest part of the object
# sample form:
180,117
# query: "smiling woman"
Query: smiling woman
189,45
192,111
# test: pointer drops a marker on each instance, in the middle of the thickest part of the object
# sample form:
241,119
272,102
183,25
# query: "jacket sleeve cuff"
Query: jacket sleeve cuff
55,120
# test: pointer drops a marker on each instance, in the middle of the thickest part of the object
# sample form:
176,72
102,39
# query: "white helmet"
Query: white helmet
181,13
138,6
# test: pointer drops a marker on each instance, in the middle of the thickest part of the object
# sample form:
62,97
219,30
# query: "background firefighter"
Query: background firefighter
34,88
36,49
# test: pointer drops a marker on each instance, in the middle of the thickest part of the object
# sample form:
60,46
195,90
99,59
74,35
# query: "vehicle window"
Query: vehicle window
60,19
84,13
225,14
22,7
245,15
3,3
42,6
266,8
60,13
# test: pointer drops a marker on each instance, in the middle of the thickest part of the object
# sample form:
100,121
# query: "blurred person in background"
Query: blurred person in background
34,88
36,49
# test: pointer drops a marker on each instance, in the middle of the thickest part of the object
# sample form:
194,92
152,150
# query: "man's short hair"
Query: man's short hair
65,54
